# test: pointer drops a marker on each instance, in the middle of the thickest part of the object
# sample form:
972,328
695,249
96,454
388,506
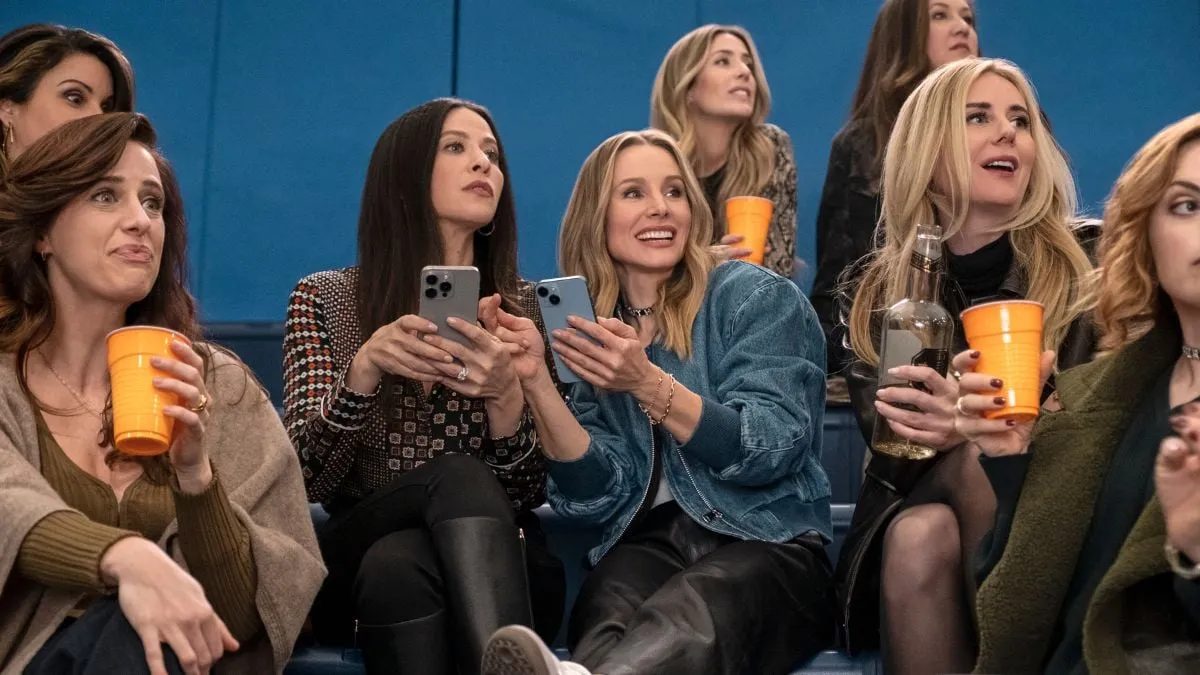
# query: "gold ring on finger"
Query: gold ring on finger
201,405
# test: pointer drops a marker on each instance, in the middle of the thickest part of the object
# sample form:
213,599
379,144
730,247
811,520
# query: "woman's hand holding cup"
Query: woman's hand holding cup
979,394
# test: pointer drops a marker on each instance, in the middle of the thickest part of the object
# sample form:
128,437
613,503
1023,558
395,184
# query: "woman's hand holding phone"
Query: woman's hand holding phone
397,349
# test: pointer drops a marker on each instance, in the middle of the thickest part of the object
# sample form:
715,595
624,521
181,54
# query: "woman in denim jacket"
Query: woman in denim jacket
694,439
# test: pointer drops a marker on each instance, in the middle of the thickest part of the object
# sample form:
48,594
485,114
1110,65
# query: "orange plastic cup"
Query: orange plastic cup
139,425
1008,337
749,217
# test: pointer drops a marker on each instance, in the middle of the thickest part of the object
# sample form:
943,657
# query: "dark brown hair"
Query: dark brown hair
28,52
897,60
41,182
397,226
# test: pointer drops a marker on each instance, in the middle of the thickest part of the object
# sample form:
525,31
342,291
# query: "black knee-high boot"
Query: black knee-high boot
483,570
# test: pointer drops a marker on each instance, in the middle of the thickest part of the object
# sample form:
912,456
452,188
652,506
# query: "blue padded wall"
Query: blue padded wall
303,91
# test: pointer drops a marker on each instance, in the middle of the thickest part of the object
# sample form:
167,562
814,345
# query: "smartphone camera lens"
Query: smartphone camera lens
431,279
554,300
542,292
445,286
431,293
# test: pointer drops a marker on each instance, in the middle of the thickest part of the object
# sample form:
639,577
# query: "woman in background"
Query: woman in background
911,38
50,75
711,96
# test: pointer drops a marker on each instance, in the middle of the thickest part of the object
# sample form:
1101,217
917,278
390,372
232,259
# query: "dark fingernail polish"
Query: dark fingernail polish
997,383
974,354
1193,436
999,400
1011,423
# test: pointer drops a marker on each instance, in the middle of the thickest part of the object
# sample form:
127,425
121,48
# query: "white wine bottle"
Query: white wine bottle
917,331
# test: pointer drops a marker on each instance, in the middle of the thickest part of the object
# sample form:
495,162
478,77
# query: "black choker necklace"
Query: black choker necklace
1192,353
637,311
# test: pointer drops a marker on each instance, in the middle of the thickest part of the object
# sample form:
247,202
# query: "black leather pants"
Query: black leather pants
673,597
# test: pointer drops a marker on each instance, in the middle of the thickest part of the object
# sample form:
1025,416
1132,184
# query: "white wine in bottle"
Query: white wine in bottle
917,331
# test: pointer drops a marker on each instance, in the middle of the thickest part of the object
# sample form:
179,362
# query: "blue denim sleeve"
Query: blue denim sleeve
769,389
594,487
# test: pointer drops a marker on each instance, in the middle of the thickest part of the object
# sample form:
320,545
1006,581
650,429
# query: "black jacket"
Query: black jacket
888,480
849,210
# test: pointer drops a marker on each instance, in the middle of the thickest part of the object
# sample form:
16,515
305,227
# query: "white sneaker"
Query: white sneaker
517,650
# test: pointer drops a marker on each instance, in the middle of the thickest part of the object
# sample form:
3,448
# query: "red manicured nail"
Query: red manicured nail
999,400
1011,423
997,383
974,354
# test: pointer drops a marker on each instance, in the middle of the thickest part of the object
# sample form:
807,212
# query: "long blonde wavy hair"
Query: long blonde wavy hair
930,136
1124,290
751,151
583,244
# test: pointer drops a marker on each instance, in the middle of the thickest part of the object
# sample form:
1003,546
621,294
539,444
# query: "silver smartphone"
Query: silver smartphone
448,291
558,299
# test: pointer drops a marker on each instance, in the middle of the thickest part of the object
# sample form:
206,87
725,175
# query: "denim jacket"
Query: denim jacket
752,469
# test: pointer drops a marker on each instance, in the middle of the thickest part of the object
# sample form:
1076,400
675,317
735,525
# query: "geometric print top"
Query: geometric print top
348,447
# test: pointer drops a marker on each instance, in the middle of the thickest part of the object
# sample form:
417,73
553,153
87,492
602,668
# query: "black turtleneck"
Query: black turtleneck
981,273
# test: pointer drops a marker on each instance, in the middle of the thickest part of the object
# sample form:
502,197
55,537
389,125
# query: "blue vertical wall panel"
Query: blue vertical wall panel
561,77
303,90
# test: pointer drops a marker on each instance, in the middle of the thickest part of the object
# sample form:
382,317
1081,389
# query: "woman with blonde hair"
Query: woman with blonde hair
970,153
711,96
693,440
1107,481
910,39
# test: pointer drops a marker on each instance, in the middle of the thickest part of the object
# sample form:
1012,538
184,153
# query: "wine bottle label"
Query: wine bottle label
903,348
923,262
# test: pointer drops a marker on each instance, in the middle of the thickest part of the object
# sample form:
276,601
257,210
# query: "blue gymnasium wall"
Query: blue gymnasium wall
269,108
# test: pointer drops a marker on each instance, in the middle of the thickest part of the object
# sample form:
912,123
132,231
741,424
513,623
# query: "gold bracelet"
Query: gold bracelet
670,397
646,409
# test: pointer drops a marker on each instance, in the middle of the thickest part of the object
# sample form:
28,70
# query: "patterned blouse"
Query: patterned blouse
348,445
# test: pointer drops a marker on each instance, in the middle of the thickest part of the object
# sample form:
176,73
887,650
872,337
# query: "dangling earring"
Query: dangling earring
491,227
45,255
8,140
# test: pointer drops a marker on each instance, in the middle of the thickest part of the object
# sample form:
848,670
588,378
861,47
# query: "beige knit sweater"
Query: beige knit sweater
259,471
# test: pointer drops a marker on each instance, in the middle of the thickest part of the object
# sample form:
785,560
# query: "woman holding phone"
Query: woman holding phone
693,440
429,466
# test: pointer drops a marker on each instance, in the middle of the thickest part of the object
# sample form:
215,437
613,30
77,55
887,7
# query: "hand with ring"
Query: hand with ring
484,369
923,414
184,377
978,394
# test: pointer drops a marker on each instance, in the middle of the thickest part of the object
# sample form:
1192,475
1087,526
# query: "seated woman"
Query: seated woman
694,440
430,469
969,152
50,75
1074,576
207,549
910,39
711,96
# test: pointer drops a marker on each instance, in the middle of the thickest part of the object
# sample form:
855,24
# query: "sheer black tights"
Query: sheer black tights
927,581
